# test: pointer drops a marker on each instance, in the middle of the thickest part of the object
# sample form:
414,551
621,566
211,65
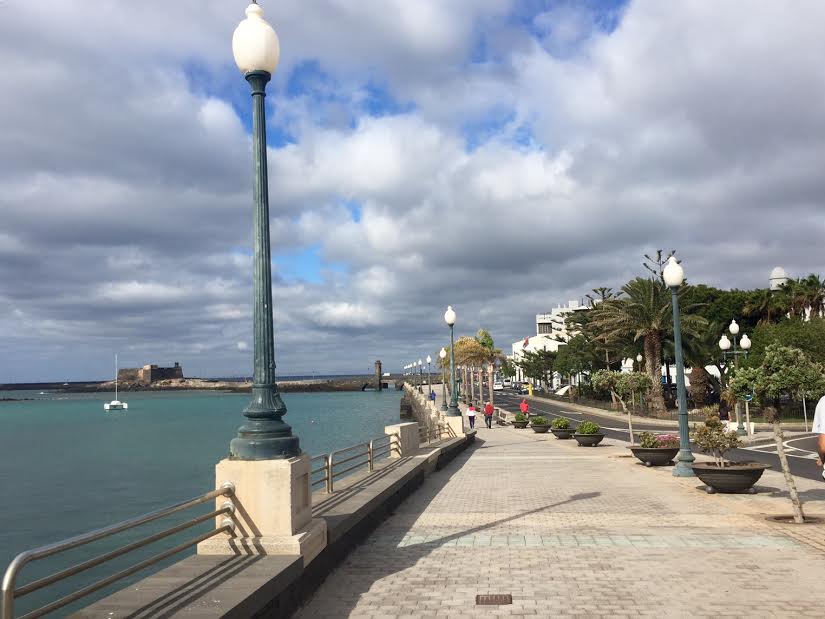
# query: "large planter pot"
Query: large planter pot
563,433
588,440
736,477
520,424
655,456
540,429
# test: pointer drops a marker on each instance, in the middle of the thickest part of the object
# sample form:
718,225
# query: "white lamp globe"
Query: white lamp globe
429,359
449,316
673,273
420,363
745,342
639,357
443,353
733,328
255,44
724,343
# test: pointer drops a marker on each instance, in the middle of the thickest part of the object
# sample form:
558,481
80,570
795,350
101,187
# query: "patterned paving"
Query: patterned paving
570,531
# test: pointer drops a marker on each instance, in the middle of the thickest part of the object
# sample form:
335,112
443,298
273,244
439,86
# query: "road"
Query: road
801,451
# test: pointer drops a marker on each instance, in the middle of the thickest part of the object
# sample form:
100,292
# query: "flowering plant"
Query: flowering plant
649,440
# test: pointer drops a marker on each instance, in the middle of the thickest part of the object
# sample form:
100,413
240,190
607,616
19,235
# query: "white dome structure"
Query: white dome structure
778,278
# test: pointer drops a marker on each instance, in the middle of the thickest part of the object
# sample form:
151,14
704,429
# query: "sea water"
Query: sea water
67,467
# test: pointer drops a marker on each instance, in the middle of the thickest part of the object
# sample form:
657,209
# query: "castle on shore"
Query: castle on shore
149,374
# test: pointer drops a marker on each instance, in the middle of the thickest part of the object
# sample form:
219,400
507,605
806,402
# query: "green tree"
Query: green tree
507,368
537,364
575,357
622,385
491,356
808,336
644,313
785,372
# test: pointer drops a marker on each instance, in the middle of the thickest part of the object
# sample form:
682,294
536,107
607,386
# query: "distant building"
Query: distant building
149,374
552,324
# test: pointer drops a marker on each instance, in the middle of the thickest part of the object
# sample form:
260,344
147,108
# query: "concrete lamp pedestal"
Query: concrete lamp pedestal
273,510
455,426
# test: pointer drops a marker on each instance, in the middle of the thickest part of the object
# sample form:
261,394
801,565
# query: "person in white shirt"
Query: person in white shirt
471,416
819,429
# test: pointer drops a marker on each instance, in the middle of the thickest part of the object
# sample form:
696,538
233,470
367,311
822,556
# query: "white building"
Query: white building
552,324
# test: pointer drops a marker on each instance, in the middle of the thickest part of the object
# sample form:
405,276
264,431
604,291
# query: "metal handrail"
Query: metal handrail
330,462
10,592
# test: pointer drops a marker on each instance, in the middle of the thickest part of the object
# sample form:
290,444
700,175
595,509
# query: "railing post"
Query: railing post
329,473
370,457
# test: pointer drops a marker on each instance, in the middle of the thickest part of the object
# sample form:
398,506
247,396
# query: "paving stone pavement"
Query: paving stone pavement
578,532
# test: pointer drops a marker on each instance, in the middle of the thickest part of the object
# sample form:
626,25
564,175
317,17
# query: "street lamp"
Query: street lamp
725,345
420,376
674,275
639,361
442,354
429,377
449,318
264,435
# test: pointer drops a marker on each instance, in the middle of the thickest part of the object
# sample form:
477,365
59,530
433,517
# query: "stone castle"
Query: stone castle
149,374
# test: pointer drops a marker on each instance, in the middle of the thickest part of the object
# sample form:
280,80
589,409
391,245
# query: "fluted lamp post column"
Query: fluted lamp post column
269,474
674,276
452,410
420,376
429,378
442,354
264,435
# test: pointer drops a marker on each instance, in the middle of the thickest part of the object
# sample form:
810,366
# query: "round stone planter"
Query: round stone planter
736,477
655,456
588,440
540,429
563,433
520,424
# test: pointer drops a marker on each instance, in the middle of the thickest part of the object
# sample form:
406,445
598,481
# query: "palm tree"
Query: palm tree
765,306
644,312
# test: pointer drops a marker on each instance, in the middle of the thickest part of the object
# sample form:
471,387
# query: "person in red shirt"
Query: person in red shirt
488,415
525,408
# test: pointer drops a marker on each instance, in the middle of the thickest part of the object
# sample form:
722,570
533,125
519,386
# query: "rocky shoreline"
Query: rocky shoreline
348,383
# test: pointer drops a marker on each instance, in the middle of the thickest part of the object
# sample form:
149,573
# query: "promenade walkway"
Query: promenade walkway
572,531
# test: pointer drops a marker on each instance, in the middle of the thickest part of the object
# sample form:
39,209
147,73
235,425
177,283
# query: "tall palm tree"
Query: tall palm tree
765,306
644,312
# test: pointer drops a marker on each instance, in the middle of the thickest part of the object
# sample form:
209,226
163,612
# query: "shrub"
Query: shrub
650,440
588,427
712,438
538,420
520,417
560,423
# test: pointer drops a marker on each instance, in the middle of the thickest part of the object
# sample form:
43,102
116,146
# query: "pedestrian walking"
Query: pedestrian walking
471,416
488,415
525,408
819,429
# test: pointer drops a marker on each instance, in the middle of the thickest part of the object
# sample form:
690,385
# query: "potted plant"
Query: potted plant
656,449
722,475
520,421
588,435
539,424
560,427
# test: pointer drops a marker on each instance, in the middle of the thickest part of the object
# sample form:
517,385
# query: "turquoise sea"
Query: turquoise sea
67,467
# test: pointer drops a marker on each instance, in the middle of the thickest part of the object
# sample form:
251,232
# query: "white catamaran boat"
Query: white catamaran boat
115,405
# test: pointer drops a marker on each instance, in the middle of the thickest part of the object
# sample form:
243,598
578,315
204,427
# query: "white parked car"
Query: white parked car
498,386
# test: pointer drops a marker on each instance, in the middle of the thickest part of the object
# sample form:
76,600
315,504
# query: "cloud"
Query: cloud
491,155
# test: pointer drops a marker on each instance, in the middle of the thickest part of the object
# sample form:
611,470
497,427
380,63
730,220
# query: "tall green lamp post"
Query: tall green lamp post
442,354
264,435
429,377
420,376
674,276
724,344
452,410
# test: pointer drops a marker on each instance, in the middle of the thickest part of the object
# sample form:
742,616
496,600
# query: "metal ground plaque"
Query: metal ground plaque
493,599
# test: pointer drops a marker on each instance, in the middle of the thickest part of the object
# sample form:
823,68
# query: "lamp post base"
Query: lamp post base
683,462
453,411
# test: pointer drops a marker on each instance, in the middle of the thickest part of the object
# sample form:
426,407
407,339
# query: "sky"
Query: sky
499,156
